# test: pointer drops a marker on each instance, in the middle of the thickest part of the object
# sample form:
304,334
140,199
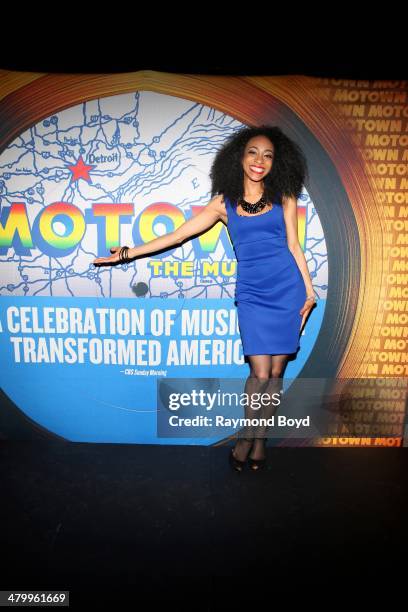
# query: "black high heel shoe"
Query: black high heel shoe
257,464
235,463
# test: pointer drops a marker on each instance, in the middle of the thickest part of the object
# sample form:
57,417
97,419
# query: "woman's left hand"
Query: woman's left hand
307,307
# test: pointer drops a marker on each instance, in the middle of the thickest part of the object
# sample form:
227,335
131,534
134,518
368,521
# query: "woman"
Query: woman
257,177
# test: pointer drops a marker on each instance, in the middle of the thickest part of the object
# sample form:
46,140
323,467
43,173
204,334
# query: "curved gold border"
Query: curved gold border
27,98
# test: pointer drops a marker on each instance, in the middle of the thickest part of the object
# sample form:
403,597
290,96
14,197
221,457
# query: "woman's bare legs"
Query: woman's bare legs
266,372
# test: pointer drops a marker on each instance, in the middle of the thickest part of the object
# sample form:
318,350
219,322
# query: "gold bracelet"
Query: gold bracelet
123,255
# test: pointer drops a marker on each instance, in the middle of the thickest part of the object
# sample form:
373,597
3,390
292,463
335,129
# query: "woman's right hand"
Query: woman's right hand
112,259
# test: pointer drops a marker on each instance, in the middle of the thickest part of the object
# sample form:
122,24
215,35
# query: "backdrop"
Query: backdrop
88,162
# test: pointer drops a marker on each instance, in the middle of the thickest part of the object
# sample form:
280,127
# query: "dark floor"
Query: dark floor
105,520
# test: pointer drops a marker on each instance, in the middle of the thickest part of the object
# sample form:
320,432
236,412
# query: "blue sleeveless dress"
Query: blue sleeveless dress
270,290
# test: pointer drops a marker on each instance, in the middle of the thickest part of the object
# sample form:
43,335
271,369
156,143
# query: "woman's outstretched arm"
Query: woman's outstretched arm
205,219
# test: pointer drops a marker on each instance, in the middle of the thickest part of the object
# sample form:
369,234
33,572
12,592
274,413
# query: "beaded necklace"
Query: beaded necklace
253,208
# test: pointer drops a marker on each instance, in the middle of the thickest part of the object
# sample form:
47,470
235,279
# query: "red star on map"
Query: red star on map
80,170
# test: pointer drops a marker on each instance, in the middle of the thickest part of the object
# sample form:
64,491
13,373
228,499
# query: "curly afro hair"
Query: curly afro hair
286,178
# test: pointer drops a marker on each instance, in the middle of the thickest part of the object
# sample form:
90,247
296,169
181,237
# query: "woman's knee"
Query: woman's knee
276,372
262,375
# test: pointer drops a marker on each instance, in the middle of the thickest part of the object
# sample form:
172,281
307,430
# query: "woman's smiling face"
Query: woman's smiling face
258,157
